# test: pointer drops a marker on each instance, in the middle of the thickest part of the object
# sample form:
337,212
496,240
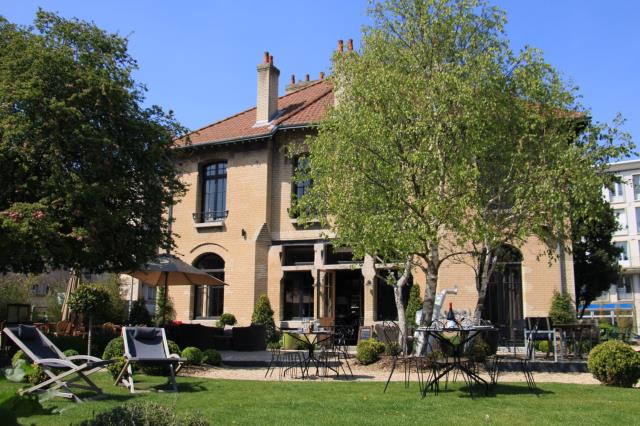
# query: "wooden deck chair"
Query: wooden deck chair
147,345
61,370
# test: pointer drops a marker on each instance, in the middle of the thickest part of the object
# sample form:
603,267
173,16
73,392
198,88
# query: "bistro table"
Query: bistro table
310,339
465,334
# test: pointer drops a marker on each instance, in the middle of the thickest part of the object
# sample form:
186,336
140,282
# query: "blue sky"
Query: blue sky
198,58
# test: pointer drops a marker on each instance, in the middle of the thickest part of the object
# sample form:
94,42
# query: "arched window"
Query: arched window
503,303
208,301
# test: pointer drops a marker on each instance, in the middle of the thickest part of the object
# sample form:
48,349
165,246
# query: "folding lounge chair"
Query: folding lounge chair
45,354
147,345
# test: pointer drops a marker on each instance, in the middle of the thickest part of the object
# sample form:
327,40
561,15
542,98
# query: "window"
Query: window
636,187
385,299
298,295
300,187
617,192
624,254
149,292
637,220
298,255
208,301
214,192
624,287
621,218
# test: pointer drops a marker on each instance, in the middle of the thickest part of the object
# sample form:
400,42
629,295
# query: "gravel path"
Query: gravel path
372,373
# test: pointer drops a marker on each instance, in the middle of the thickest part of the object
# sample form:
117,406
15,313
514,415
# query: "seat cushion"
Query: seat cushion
27,332
145,333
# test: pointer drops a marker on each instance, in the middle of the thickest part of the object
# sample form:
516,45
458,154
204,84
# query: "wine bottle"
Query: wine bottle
451,317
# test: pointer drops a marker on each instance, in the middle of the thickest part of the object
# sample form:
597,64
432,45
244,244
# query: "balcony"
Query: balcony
210,219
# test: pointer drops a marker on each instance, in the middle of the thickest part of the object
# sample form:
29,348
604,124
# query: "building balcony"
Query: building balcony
210,219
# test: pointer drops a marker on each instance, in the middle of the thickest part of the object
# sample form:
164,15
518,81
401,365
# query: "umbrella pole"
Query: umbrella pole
164,298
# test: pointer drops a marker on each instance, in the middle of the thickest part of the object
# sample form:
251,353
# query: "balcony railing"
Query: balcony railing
210,216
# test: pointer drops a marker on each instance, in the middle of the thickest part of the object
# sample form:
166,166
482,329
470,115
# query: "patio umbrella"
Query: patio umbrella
167,270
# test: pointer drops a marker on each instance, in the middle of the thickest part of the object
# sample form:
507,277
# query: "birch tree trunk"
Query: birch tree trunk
397,295
432,285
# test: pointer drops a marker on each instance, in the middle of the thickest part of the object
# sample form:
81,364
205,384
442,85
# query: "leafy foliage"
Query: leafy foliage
86,169
89,300
438,133
71,352
263,314
562,309
226,319
144,413
615,363
139,315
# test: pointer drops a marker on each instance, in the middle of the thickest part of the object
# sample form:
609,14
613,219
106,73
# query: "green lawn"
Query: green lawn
351,403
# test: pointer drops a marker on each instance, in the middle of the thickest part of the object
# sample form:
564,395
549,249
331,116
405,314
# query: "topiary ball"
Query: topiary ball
71,352
368,351
212,357
115,350
193,355
615,363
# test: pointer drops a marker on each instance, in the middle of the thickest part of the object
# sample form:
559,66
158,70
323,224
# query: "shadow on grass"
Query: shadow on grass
503,389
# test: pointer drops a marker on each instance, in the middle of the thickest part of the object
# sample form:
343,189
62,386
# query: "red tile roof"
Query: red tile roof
302,107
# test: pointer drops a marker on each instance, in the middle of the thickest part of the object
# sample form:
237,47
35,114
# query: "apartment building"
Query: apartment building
624,197
236,222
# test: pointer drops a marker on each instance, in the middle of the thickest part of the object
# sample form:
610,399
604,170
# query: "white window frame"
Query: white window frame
622,220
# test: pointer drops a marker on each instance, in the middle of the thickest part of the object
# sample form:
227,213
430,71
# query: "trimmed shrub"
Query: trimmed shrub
115,350
413,305
19,356
479,351
193,355
139,315
392,348
608,331
615,363
368,351
274,345
211,357
226,319
263,314
36,375
562,309
144,413
71,352
542,346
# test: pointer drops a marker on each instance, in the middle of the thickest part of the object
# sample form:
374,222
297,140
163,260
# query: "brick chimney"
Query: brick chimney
267,103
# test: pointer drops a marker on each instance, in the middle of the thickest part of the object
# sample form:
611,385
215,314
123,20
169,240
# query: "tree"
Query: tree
413,305
438,132
263,314
86,169
595,257
164,308
90,301
139,315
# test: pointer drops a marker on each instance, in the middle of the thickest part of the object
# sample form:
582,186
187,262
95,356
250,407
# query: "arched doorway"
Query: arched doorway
503,303
208,301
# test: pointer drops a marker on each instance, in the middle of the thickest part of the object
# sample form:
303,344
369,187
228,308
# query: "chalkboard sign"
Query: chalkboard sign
365,333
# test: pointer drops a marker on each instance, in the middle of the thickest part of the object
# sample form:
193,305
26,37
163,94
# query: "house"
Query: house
623,299
235,222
